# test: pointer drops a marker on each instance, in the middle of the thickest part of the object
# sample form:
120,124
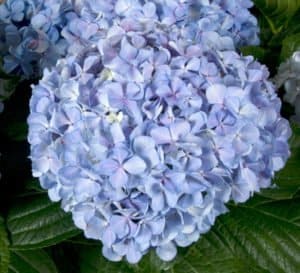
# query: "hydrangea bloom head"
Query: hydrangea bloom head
17,11
228,19
147,131
289,76
218,24
30,35
73,25
145,141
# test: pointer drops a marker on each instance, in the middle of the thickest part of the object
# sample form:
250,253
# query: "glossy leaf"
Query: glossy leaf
277,12
34,186
32,261
4,250
36,222
290,45
257,52
261,236
7,87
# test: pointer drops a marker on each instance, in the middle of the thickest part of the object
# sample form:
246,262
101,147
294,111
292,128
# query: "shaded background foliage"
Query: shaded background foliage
260,236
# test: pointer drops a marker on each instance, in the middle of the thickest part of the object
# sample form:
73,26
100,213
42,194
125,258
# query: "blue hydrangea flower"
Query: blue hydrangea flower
31,35
147,130
218,24
288,75
145,144
71,26
17,11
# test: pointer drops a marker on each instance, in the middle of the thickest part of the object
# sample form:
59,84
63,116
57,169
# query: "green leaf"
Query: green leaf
34,185
17,131
277,12
258,52
7,87
31,261
36,222
289,46
280,193
91,260
4,250
262,236
289,177
80,240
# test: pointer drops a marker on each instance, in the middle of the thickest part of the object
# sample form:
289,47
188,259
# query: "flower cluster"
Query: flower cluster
289,76
144,138
36,33
30,34
219,24
153,122
214,22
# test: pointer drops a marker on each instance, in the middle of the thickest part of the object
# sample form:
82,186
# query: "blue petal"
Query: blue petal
133,254
82,214
240,192
158,202
167,252
85,189
123,6
144,146
161,135
54,194
216,93
119,178
157,225
110,254
134,110
133,91
135,165
179,129
128,52
117,132
119,226
143,238
108,167
95,228
185,201
115,94
108,237
171,197
173,225
40,166
38,21
250,133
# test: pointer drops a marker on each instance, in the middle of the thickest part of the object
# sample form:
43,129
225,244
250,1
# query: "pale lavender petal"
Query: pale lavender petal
161,135
216,93
167,252
135,165
119,178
